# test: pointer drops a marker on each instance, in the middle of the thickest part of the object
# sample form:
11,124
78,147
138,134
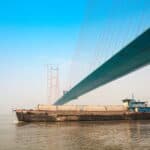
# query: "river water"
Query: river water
126,135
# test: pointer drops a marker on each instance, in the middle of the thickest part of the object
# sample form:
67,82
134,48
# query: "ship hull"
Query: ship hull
56,116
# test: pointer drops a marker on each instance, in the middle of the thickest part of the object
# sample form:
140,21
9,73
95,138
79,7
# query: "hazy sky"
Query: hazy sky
79,32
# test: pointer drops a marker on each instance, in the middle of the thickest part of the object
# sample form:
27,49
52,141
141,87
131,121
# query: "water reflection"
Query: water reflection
84,135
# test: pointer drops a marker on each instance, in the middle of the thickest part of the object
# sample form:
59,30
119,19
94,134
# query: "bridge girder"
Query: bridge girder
130,58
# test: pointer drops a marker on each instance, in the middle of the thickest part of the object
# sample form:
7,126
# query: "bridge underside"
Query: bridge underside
130,58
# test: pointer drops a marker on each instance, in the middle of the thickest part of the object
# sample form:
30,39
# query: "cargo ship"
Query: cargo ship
130,110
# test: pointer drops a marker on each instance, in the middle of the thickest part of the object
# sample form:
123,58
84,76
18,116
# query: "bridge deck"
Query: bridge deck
130,58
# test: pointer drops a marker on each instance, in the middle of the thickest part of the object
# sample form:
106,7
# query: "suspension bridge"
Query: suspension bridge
126,40
130,58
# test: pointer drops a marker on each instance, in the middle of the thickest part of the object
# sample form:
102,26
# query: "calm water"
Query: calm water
74,135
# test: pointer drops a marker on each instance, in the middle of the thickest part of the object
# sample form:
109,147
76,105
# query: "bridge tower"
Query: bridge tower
52,83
